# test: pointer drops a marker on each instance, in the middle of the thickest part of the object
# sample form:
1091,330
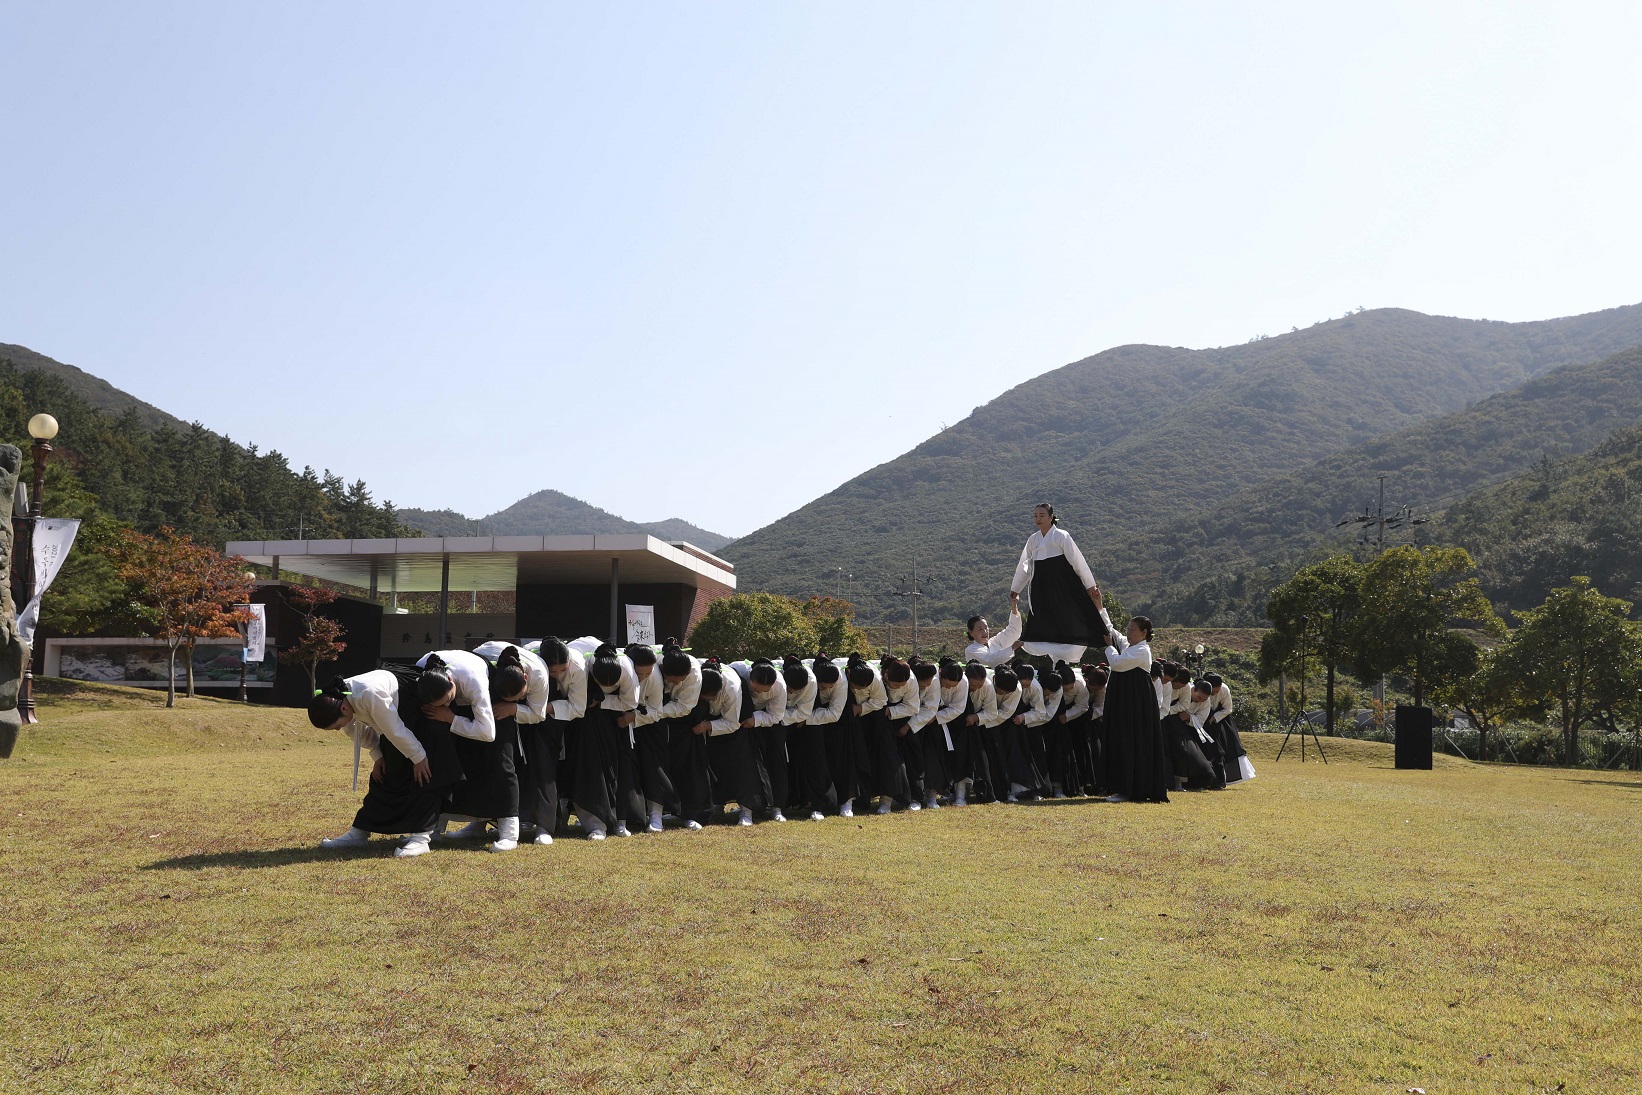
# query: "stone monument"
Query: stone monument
13,653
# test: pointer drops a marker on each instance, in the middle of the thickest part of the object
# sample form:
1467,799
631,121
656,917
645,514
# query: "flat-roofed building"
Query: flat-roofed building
562,585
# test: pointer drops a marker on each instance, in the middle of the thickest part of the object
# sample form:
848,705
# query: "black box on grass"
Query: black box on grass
1413,737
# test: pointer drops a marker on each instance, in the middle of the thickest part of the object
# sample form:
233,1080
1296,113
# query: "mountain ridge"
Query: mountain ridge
553,513
1439,464
93,389
1124,438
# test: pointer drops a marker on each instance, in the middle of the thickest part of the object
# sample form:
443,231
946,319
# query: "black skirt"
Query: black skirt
733,761
396,803
1025,744
629,796
846,755
651,757
887,777
687,768
808,773
537,766
590,765
1065,765
1061,609
940,748
1137,767
1086,745
771,743
1230,741
911,753
1186,756
991,756
737,775
491,789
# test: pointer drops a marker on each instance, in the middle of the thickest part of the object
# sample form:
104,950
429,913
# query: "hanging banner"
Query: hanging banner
53,536
641,624
254,631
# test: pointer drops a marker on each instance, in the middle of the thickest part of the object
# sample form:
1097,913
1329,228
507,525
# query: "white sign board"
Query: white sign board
53,536
641,624
255,632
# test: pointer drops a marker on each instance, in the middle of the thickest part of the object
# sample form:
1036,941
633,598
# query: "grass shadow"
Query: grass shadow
279,857
1604,783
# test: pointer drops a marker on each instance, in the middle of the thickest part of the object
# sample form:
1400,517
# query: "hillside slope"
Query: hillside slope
94,390
1122,441
1216,564
1580,515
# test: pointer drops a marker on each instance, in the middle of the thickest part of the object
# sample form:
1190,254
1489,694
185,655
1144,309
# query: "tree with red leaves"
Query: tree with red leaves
321,639
182,592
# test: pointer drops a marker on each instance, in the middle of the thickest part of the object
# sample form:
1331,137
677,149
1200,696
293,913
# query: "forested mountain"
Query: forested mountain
1218,562
1127,441
189,478
552,513
94,390
113,470
1579,515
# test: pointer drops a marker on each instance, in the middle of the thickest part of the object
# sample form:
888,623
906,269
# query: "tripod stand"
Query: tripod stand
1299,721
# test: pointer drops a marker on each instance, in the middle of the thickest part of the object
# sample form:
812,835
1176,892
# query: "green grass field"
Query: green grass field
167,925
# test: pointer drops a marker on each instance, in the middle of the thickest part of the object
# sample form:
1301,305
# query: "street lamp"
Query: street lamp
42,427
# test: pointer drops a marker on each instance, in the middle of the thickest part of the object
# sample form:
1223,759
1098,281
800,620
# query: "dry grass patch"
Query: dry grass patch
168,925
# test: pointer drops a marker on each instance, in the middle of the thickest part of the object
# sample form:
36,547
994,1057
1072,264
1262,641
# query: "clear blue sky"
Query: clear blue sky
711,260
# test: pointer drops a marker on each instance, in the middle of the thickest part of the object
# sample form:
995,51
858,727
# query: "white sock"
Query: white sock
507,828
415,844
847,809
745,818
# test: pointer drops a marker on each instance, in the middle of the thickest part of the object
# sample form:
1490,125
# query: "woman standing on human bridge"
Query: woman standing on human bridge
1064,611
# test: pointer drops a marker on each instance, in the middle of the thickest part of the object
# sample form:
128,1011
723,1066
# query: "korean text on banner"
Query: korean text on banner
53,536
641,624
255,632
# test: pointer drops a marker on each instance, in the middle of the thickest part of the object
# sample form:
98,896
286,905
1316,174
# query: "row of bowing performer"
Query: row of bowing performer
627,740
525,737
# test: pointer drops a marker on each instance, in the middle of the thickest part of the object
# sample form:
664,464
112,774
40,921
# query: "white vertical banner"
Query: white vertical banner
641,624
254,631
53,536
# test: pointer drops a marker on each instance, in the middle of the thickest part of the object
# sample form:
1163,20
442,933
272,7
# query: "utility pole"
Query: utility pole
914,593
1379,521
